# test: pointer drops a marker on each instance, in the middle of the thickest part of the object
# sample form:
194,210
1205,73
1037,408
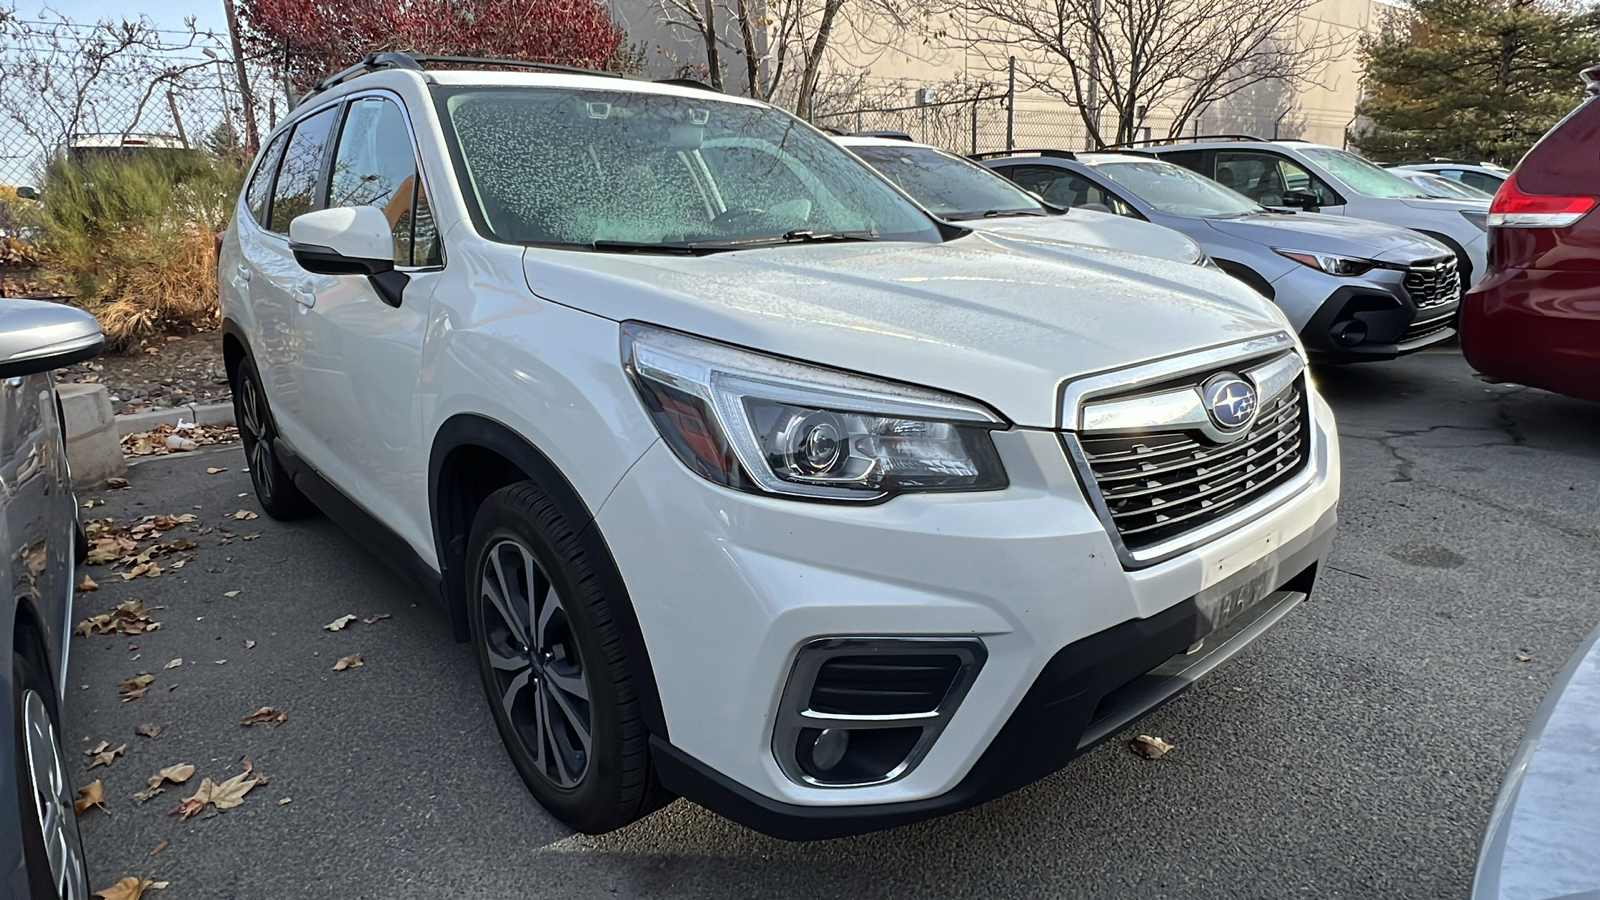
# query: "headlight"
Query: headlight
770,425
1206,260
1479,218
1343,266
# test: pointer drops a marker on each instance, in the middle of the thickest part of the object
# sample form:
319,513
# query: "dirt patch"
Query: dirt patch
160,373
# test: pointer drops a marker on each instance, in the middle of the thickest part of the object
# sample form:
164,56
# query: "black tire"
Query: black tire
567,623
63,879
275,490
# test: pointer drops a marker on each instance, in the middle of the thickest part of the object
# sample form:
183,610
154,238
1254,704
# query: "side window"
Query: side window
1193,160
376,165
259,191
1058,186
295,192
1264,177
1486,183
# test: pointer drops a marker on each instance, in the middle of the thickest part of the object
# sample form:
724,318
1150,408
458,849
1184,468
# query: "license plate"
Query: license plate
1234,597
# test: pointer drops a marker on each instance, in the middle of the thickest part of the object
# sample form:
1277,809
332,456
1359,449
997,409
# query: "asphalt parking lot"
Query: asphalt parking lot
1354,751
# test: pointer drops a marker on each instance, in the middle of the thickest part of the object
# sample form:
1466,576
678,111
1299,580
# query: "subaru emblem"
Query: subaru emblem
1230,401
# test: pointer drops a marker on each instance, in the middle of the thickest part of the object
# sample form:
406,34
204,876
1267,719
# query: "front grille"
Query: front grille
1433,283
1157,486
897,684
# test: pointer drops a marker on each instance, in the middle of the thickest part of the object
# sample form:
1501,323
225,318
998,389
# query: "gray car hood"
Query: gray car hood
1097,229
979,316
1316,233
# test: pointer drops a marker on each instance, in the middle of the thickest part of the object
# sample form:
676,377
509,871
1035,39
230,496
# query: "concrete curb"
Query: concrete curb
198,413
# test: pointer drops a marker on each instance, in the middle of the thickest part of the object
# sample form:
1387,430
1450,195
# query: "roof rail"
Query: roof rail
886,133
395,59
676,82
1192,139
1046,152
1441,160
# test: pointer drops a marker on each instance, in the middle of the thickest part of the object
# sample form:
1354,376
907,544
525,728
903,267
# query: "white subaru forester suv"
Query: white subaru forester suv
750,481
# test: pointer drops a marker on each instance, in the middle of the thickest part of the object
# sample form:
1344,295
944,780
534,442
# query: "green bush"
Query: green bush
131,237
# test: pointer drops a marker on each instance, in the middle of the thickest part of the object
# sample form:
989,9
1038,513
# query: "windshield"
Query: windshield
947,185
1176,190
1361,176
622,170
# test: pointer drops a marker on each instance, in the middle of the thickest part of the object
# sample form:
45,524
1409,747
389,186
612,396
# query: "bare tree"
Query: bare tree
1135,59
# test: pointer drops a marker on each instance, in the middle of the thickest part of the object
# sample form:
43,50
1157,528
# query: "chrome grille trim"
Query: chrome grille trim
1225,483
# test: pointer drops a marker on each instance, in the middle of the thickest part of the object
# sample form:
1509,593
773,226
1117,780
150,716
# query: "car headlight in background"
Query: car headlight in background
1479,217
770,425
1343,266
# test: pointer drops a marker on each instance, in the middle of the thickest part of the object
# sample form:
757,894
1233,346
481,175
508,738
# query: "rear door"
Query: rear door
276,283
1065,187
1265,176
359,360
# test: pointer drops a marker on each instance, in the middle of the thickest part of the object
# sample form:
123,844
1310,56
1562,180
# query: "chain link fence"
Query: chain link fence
64,88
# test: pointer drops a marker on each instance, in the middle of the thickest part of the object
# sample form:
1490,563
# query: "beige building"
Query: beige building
892,68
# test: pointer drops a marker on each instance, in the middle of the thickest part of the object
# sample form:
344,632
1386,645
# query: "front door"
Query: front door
360,359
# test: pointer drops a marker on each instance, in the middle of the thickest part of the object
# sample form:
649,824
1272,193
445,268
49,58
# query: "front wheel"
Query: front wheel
275,490
51,848
552,665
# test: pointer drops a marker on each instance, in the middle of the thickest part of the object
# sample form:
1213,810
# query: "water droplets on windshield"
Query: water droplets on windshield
576,167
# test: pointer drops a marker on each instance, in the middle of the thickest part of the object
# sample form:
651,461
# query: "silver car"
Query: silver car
39,847
1355,290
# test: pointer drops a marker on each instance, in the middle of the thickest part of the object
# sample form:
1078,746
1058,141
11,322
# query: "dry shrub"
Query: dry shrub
175,292
132,239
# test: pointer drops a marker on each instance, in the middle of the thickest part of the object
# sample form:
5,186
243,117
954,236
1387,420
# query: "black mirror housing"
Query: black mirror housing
386,280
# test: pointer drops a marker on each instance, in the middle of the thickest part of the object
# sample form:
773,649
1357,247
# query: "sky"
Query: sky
164,13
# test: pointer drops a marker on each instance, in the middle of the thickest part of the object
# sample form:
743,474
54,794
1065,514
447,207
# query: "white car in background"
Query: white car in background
1484,176
1442,187
1332,181
959,190
749,480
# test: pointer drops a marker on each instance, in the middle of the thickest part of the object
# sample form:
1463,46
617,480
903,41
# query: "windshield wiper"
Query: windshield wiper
798,236
995,214
680,248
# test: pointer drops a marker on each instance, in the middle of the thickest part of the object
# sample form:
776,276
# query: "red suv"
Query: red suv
1535,318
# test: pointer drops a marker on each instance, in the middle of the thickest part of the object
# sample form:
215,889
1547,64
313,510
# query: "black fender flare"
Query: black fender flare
451,524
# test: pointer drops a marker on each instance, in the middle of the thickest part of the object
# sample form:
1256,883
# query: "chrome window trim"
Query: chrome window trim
794,713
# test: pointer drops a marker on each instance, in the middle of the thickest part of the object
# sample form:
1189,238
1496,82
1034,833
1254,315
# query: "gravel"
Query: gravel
162,372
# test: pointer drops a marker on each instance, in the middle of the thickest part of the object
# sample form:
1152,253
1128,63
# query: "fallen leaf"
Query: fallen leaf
91,794
104,757
231,594
213,470
129,617
265,714
140,797
283,800
339,623
249,645
373,620
1150,747
348,662
1524,656
174,664
148,729
129,888
135,687
87,584
165,843
252,536
243,515
116,483
97,748
177,774
225,795
93,502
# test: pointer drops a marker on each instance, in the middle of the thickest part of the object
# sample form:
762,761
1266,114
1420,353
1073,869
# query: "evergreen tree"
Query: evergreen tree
1474,79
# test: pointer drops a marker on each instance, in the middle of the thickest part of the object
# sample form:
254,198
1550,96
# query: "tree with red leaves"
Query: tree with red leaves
318,37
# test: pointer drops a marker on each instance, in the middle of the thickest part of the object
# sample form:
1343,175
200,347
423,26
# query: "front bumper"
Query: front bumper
1390,324
727,586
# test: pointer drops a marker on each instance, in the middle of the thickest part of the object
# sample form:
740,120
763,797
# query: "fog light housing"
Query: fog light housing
1349,333
860,711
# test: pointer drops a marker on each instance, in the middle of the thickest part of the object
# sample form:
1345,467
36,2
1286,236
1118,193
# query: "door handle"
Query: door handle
243,273
305,298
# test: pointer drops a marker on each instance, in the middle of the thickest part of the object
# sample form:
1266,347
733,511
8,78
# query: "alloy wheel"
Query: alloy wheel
52,799
257,434
538,673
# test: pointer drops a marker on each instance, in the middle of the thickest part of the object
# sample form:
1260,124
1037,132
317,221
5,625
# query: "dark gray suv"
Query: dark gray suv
40,853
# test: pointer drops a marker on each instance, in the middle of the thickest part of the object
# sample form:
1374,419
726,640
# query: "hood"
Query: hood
1443,204
1096,229
1317,233
979,315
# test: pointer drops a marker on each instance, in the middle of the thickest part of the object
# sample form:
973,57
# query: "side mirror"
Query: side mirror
27,193
349,240
1305,200
36,336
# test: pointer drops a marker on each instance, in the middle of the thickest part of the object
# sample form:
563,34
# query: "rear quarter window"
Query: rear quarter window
1567,158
